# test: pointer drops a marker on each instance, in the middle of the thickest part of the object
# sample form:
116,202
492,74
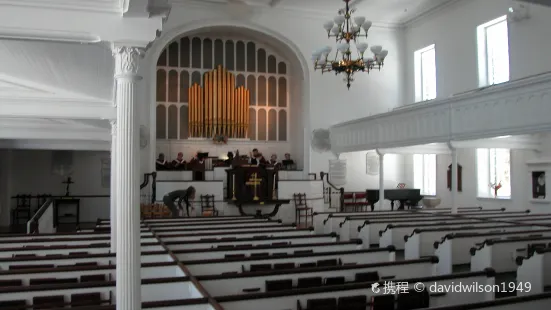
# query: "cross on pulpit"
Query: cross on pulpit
68,182
254,181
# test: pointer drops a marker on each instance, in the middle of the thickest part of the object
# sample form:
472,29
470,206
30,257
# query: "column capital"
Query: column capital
127,60
113,127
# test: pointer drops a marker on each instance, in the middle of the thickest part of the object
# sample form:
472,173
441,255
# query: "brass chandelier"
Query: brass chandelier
344,30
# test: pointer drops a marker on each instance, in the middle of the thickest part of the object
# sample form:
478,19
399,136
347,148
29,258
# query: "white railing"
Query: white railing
43,219
513,108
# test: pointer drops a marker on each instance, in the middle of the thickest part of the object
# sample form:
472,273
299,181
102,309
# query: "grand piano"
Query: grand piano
406,196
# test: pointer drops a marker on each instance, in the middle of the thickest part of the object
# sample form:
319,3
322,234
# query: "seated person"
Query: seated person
288,163
186,195
256,158
229,161
161,163
273,161
179,163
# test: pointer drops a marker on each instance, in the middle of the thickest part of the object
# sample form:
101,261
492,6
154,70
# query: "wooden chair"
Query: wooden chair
208,207
300,207
22,209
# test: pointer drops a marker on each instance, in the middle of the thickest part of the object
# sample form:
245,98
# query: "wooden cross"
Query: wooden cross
68,182
254,181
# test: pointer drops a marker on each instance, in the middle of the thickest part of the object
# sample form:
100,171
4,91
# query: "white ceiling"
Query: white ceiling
382,11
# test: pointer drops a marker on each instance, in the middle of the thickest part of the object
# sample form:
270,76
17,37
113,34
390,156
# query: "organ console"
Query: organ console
218,108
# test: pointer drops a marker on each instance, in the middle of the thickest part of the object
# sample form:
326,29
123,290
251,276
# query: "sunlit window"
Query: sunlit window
493,52
424,173
425,74
494,169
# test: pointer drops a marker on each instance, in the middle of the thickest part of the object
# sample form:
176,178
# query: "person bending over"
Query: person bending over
184,195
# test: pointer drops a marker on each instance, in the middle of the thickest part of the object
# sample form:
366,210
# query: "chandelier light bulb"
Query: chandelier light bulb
328,25
366,25
359,20
362,47
326,50
376,49
355,29
343,47
339,20
336,30
321,61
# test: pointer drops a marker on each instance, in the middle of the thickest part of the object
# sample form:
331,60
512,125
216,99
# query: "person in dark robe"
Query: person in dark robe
185,195
179,163
161,163
256,158
288,163
273,161
229,161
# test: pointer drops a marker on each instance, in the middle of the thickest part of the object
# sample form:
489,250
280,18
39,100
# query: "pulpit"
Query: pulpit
198,170
251,185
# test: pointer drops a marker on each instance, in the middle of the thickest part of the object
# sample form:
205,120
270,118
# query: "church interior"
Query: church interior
275,154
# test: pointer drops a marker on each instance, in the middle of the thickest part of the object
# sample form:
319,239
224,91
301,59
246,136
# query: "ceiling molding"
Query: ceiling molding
56,108
55,144
445,4
38,129
103,6
433,148
524,142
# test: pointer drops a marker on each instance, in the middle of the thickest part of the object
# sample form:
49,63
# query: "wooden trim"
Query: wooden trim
72,247
41,258
349,286
216,228
78,268
235,232
332,235
267,247
431,259
66,286
390,248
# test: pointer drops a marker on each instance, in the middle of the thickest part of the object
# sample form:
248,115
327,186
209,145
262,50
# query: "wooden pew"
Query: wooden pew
219,266
100,259
288,278
536,270
154,289
395,234
451,249
203,222
277,247
289,299
201,218
214,224
180,304
421,241
189,236
208,243
47,237
67,241
23,277
369,229
501,254
532,302
93,248
250,228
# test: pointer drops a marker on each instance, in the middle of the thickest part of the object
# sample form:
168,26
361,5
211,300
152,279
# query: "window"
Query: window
493,167
424,173
493,52
425,74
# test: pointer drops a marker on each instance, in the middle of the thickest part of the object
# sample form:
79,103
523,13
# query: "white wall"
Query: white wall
520,181
327,100
31,173
358,180
453,31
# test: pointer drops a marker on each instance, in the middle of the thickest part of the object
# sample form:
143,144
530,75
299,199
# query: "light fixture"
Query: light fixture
346,29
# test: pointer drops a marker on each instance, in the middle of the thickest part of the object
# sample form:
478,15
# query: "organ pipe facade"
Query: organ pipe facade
218,108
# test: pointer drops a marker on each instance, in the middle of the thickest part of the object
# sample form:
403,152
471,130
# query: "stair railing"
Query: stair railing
332,195
148,189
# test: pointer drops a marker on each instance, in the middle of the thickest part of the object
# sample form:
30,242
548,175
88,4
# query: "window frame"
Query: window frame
484,76
420,78
488,194
423,190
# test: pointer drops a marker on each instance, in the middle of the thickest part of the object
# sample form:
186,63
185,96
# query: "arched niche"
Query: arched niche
282,58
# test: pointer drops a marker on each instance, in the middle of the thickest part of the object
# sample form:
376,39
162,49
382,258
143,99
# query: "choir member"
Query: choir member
229,161
256,158
161,163
288,163
273,160
179,163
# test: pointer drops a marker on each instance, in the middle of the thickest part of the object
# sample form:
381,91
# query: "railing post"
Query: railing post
341,207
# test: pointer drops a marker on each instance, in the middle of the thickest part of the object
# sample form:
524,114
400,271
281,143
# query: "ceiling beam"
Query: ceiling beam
55,144
56,108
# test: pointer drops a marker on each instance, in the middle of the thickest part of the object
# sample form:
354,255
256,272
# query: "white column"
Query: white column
454,181
128,292
381,180
113,220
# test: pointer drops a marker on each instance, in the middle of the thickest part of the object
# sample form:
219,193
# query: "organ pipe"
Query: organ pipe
218,108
